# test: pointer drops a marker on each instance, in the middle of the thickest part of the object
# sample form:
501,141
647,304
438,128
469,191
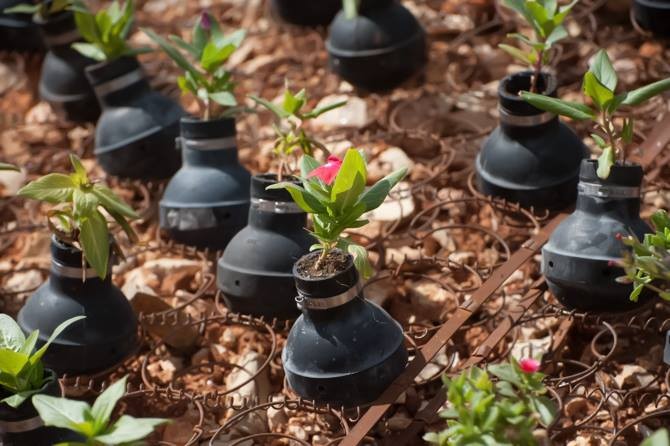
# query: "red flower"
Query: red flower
328,171
529,365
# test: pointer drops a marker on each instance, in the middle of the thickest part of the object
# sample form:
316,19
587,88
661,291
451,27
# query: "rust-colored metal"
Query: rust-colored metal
444,334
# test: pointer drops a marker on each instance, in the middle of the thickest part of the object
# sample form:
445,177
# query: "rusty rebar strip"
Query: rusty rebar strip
442,336
428,414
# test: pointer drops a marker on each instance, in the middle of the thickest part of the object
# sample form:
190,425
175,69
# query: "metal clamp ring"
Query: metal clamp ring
65,38
276,207
120,82
326,303
21,426
71,272
607,191
524,121
228,142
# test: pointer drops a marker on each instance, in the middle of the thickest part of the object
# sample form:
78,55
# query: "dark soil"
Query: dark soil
335,262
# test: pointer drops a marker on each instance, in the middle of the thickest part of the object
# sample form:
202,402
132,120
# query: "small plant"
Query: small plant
336,196
207,79
106,31
647,265
42,8
599,85
658,438
94,423
546,18
76,219
505,412
289,127
21,369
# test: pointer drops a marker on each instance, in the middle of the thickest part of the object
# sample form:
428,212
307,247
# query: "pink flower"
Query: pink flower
328,171
205,20
529,365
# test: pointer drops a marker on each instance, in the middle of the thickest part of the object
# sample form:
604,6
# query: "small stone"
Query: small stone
24,281
395,158
399,205
201,356
399,422
228,338
11,182
297,432
277,418
353,114
576,408
629,376
257,389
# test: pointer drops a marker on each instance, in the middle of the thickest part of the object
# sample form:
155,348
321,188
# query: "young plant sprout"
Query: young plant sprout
599,85
647,265
94,423
546,18
76,217
21,370
42,9
289,127
106,31
206,78
336,196
504,412
350,8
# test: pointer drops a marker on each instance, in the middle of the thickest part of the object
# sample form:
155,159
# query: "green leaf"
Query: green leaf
559,33
597,92
128,429
23,8
279,112
11,335
174,54
111,202
213,56
85,203
293,103
5,166
61,412
375,196
545,408
19,398
303,198
105,403
558,106
12,362
350,181
94,239
635,294
90,50
307,164
199,36
181,43
361,262
599,140
53,188
627,132
224,98
517,53
57,331
658,438
643,94
28,347
80,175
321,110
602,69
605,163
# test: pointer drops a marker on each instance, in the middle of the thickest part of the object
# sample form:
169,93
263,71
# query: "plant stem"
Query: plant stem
207,110
607,126
537,73
322,257
280,171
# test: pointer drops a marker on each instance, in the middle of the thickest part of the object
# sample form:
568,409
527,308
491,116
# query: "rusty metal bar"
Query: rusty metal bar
429,413
442,336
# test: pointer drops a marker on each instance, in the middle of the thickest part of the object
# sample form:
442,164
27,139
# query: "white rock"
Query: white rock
399,205
396,158
259,388
353,114
24,280
11,182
